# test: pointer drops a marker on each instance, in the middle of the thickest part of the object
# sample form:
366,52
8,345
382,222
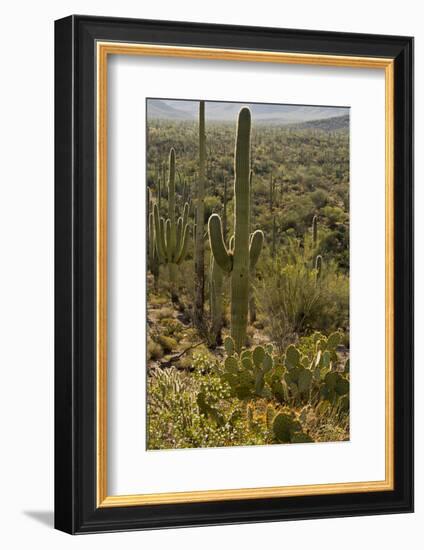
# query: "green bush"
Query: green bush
154,350
294,302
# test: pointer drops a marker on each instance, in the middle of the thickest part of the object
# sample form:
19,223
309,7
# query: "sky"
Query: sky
173,109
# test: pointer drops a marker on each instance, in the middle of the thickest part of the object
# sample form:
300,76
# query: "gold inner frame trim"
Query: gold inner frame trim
103,50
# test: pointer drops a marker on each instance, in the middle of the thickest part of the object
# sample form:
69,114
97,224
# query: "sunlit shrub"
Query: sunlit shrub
295,301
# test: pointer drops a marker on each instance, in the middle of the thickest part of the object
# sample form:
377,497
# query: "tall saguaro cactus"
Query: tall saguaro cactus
199,253
240,260
252,301
171,236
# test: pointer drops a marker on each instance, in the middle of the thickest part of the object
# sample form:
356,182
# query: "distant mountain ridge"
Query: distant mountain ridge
327,124
225,111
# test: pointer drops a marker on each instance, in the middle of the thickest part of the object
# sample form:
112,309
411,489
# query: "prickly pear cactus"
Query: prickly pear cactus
245,372
287,429
335,386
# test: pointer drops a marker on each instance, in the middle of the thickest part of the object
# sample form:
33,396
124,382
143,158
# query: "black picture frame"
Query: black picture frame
76,510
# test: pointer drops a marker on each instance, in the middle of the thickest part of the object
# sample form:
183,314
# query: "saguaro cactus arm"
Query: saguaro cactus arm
168,247
160,243
152,236
231,245
256,243
318,266
184,245
216,239
185,214
179,232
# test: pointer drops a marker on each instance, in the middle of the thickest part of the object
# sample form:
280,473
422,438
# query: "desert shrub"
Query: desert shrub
165,312
334,214
156,300
212,204
295,299
185,282
186,411
171,327
167,342
154,350
335,244
319,198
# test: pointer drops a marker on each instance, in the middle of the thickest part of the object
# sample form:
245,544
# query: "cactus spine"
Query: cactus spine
199,253
245,254
171,236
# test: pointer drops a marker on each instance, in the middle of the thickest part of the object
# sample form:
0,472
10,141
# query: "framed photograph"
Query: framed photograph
234,274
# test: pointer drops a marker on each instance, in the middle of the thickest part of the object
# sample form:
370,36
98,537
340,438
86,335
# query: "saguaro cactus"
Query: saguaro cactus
252,301
215,298
318,266
199,253
315,230
171,236
149,202
186,191
153,254
271,193
239,261
274,237
224,210
159,192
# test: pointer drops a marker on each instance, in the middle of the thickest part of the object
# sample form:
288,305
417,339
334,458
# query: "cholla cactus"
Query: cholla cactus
171,236
239,261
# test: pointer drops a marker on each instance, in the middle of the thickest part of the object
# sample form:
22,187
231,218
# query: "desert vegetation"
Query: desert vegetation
248,282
